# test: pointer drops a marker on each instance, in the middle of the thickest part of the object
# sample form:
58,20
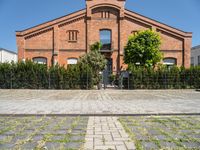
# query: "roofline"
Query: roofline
3,49
159,22
50,20
196,47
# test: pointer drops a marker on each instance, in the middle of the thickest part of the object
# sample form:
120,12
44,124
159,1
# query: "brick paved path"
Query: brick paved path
98,102
105,133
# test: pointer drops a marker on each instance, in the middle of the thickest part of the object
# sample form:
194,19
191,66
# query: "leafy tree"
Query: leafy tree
143,48
95,60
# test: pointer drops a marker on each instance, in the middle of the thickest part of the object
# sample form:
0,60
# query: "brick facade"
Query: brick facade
52,39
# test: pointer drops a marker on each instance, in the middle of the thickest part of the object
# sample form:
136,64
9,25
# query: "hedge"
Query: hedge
29,75
163,78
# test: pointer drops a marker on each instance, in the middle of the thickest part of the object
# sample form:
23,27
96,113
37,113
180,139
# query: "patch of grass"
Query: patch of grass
132,135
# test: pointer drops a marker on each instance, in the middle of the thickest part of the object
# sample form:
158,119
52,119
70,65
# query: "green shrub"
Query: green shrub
29,75
164,78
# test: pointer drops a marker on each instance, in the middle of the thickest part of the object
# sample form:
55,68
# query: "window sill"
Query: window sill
72,41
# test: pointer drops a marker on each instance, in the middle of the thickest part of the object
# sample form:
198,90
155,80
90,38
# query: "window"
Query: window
105,14
40,60
192,61
72,35
72,61
169,61
105,39
198,60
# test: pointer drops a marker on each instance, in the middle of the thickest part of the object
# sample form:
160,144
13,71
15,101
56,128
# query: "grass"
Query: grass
166,126
38,124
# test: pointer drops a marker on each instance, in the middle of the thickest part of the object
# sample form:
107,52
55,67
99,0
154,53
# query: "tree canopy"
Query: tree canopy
95,60
143,48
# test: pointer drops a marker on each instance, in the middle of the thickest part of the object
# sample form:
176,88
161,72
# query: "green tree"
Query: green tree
95,60
143,48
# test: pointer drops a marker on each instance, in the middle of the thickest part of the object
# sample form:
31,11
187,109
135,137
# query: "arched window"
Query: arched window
105,39
40,60
72,61
169,61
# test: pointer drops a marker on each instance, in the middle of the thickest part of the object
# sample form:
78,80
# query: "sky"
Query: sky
16,15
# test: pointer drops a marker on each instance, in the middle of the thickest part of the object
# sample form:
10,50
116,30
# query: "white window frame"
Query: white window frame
39,60
72,61
169,62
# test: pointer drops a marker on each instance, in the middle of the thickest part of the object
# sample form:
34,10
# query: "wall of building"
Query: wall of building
6,56
51,39
195,53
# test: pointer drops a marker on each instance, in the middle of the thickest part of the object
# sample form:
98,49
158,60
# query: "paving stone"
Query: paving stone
77,138
18,138
111,137
73,145
112,102
196,136
130,145
191,144
165,144
141,137
149,145
3,137
57,138
59,132
104,147
176,136
29,145
6,146
153,132
121,147
37,137
52,145
160,137
74,131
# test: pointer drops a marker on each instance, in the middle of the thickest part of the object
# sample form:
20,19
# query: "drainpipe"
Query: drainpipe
52,61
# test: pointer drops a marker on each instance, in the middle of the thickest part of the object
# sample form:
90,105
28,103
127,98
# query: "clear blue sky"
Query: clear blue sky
22,14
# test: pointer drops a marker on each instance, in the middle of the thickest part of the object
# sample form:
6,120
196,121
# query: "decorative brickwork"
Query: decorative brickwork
71,36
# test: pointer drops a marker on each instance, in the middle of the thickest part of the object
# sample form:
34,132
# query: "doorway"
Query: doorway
108,72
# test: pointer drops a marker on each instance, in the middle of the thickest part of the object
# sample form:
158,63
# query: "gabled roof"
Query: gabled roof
45,25
156,23
3,49
82,13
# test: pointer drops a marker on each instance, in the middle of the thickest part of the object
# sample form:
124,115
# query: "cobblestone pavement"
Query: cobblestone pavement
52,133
170,132
99,133
105,133
99,102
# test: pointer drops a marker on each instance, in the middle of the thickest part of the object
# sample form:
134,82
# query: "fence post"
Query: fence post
165,81
49,81
128,80
87,77
11,79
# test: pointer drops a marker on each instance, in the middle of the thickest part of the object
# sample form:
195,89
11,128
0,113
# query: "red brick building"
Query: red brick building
65,39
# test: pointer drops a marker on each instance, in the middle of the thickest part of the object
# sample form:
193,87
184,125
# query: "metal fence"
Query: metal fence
164,81
119,81
46,82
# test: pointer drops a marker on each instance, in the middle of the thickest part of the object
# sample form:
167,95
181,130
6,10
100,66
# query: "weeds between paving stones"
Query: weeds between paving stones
42,132
169,132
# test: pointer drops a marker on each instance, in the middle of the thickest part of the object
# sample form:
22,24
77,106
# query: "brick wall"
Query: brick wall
42,40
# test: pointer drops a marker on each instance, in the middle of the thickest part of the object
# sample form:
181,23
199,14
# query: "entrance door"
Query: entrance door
107,72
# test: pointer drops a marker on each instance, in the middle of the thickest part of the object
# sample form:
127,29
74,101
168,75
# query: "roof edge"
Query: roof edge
196,47
159,22
10,51
19,31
